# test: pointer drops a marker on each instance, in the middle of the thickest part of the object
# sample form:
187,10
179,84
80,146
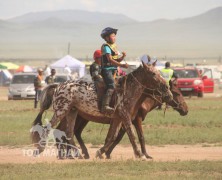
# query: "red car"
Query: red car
192,83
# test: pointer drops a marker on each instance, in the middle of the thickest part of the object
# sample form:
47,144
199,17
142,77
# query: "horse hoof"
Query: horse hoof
149,157
86,156
60,157
80,157
143,158
70,157
108,157
99,155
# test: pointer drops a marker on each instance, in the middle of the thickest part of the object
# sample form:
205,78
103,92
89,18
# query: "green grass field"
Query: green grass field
115,170
203,124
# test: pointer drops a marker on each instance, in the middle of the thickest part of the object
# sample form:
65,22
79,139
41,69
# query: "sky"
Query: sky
141,10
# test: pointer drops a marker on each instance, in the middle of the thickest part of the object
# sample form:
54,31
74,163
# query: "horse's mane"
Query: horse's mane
173,88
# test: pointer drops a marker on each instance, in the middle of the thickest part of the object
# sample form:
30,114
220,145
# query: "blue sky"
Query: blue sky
142,10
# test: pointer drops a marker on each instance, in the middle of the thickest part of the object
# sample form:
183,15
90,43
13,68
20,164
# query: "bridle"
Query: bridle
153,91
177,104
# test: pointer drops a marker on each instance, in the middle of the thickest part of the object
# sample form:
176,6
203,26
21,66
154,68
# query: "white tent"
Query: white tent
5,77
75,65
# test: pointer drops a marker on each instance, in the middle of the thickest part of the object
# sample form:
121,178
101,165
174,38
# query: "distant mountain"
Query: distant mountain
46,34
73,16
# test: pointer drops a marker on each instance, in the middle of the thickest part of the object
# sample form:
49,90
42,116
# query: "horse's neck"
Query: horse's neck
155,102
134,91
151,102
134,85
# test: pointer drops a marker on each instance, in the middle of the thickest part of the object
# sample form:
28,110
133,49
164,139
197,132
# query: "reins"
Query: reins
152,94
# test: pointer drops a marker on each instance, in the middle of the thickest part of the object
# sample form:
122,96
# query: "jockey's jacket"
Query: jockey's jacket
95,71
167,74
114,53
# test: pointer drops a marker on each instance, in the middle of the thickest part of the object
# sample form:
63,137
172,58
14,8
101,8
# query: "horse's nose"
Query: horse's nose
184,113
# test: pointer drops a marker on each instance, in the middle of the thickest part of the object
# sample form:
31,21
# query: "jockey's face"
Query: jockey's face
111,39
98,61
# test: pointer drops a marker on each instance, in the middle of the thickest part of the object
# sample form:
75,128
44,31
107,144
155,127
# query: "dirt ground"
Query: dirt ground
159,154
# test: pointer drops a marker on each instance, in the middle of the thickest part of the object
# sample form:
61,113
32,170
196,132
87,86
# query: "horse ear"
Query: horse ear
154,63
144,64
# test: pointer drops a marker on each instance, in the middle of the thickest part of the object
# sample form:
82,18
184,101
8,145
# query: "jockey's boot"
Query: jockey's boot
105,103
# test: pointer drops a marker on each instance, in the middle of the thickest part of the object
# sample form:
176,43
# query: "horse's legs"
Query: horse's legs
118,139
138,125
111,136
129,129
61,144
71,119
80,125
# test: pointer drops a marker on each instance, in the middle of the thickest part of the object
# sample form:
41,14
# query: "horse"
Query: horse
79,97
149,103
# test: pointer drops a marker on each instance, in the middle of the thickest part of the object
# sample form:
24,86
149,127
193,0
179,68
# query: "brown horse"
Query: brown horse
74,97
149,103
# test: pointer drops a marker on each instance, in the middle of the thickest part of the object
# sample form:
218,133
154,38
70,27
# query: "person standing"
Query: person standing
168,73
47,70
39,85
51,78
109,64
67,70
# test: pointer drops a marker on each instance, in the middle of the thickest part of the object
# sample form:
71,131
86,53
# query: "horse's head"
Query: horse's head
154,80
178,103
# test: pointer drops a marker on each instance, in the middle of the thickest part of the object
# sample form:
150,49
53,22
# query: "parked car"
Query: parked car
191,83
22,86
220,84
208,80
215,73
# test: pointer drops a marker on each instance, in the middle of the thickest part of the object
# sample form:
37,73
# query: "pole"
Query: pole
68,48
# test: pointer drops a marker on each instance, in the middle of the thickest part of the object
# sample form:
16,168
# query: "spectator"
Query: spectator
47,70
51,78
39,85
67,70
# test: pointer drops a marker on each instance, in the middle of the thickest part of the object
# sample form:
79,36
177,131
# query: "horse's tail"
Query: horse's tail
45,102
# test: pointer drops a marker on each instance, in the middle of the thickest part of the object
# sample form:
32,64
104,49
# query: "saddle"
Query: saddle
101,90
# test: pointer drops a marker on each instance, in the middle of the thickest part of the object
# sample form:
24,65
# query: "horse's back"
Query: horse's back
79,94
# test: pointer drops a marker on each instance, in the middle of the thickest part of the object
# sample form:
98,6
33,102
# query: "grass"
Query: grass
114,170
202,125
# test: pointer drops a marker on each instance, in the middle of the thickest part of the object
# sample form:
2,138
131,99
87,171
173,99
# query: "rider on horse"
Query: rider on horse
95,67
109,64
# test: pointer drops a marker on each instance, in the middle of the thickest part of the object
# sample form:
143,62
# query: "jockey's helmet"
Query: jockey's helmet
107,31
97,54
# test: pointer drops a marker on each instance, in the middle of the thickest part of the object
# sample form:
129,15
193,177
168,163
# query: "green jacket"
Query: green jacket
167,74
50,79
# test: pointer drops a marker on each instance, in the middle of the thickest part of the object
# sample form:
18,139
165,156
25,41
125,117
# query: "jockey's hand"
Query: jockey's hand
125,66
124,54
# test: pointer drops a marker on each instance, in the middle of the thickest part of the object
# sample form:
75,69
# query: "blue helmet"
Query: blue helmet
107,31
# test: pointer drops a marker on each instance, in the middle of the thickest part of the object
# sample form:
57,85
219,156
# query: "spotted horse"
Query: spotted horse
79,97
